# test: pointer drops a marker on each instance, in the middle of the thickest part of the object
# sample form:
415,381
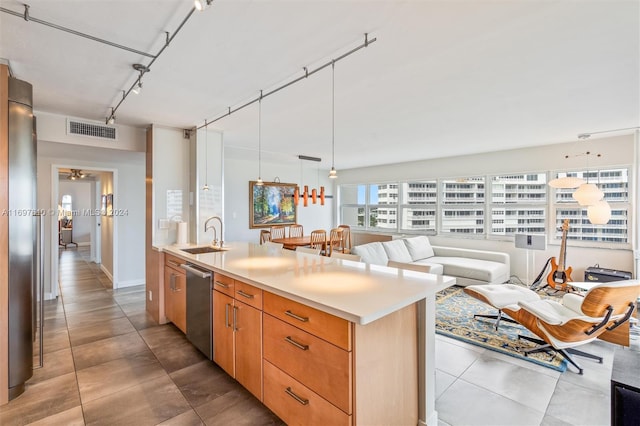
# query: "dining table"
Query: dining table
292,242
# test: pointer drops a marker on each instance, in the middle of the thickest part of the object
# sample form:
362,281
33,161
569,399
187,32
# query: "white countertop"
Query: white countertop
355,291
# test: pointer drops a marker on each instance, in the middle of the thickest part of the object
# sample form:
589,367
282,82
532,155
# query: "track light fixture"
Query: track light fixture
201,5
111,118
76,174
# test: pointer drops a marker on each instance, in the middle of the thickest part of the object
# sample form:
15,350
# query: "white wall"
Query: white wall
82,198
241,166
616,151
127,162
170,173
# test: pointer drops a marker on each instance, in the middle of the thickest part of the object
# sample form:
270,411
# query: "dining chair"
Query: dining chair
318,239
295,231
265,235
346,234
335,241
308,250
277,232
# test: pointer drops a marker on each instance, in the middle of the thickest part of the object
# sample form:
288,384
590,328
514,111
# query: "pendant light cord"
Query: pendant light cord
333,114
260,137
206,154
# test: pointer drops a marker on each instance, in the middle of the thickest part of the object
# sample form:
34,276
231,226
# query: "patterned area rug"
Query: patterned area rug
454,318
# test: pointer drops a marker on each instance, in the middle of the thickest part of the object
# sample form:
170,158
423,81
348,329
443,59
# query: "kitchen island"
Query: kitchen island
345,338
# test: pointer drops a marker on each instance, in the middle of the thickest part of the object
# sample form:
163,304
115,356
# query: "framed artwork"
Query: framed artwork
271,204
109,204
103,204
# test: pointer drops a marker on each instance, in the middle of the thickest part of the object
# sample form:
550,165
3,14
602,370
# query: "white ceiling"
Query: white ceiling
443,78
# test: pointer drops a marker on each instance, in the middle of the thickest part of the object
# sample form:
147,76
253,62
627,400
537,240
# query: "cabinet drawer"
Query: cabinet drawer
321,366
248,294
223,284
326,326
175,262
295,403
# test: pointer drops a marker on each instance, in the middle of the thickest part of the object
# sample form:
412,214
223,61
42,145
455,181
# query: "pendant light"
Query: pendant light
333,173
205,187
259,181
599,213
566,182
588,193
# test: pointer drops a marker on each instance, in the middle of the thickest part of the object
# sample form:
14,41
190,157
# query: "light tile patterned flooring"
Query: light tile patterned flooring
108,363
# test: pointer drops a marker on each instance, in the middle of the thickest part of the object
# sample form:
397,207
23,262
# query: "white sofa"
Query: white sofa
468,266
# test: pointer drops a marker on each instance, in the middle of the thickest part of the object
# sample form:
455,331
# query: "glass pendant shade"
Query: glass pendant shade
588,194
333,173
566,182
599,213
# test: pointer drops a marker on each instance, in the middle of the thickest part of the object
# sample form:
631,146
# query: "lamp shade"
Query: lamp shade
599,213
566,182
588,194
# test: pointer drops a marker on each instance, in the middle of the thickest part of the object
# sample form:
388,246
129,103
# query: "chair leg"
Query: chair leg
584,354
498,317
566,353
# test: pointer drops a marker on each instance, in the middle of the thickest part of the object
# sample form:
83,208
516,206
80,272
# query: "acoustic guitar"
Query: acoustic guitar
559,275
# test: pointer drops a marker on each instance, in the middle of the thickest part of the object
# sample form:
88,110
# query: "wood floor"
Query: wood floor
106,362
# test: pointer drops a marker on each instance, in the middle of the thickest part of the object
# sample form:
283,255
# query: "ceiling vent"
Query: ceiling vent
92,130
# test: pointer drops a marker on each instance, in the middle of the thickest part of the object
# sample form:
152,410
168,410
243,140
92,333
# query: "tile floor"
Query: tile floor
108,363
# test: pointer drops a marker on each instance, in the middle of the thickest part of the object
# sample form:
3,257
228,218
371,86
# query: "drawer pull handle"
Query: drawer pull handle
243,294
223,285
298,317
173,263
296,397
296,344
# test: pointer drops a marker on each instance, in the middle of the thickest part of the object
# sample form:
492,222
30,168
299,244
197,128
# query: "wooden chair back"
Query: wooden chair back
346,233
296,231
265,235
617,294
318,239
277,232
335,241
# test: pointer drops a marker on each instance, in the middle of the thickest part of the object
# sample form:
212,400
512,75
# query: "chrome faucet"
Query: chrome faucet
214,242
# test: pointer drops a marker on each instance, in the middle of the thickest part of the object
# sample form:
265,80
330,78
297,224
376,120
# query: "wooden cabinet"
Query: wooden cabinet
308,363
237,331
175,292
321,369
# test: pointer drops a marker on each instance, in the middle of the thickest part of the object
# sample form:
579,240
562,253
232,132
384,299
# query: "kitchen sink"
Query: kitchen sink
200,250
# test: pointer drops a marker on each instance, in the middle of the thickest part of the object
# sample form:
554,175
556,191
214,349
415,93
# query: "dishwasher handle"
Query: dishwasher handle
201,273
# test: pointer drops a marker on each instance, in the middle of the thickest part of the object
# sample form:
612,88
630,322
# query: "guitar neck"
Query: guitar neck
563,250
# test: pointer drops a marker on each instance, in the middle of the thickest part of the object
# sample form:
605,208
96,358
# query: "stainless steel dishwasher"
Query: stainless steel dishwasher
199,308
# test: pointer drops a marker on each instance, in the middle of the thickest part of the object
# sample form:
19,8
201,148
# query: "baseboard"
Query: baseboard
106,272
130,283
86,243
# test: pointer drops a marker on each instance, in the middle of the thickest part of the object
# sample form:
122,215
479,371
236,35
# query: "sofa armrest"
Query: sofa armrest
494,256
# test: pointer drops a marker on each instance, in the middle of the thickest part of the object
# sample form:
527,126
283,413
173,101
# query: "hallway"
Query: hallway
106,362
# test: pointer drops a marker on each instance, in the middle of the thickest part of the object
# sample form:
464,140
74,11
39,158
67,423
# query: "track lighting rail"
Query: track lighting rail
30,18
306,74
169,38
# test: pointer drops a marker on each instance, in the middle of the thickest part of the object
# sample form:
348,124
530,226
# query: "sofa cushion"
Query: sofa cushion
397,251
372,253
419,247
476,269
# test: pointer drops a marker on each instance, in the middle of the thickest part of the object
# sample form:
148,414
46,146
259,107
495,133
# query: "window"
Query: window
66,203
615,185
518,204
463,203
495,206
418,208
